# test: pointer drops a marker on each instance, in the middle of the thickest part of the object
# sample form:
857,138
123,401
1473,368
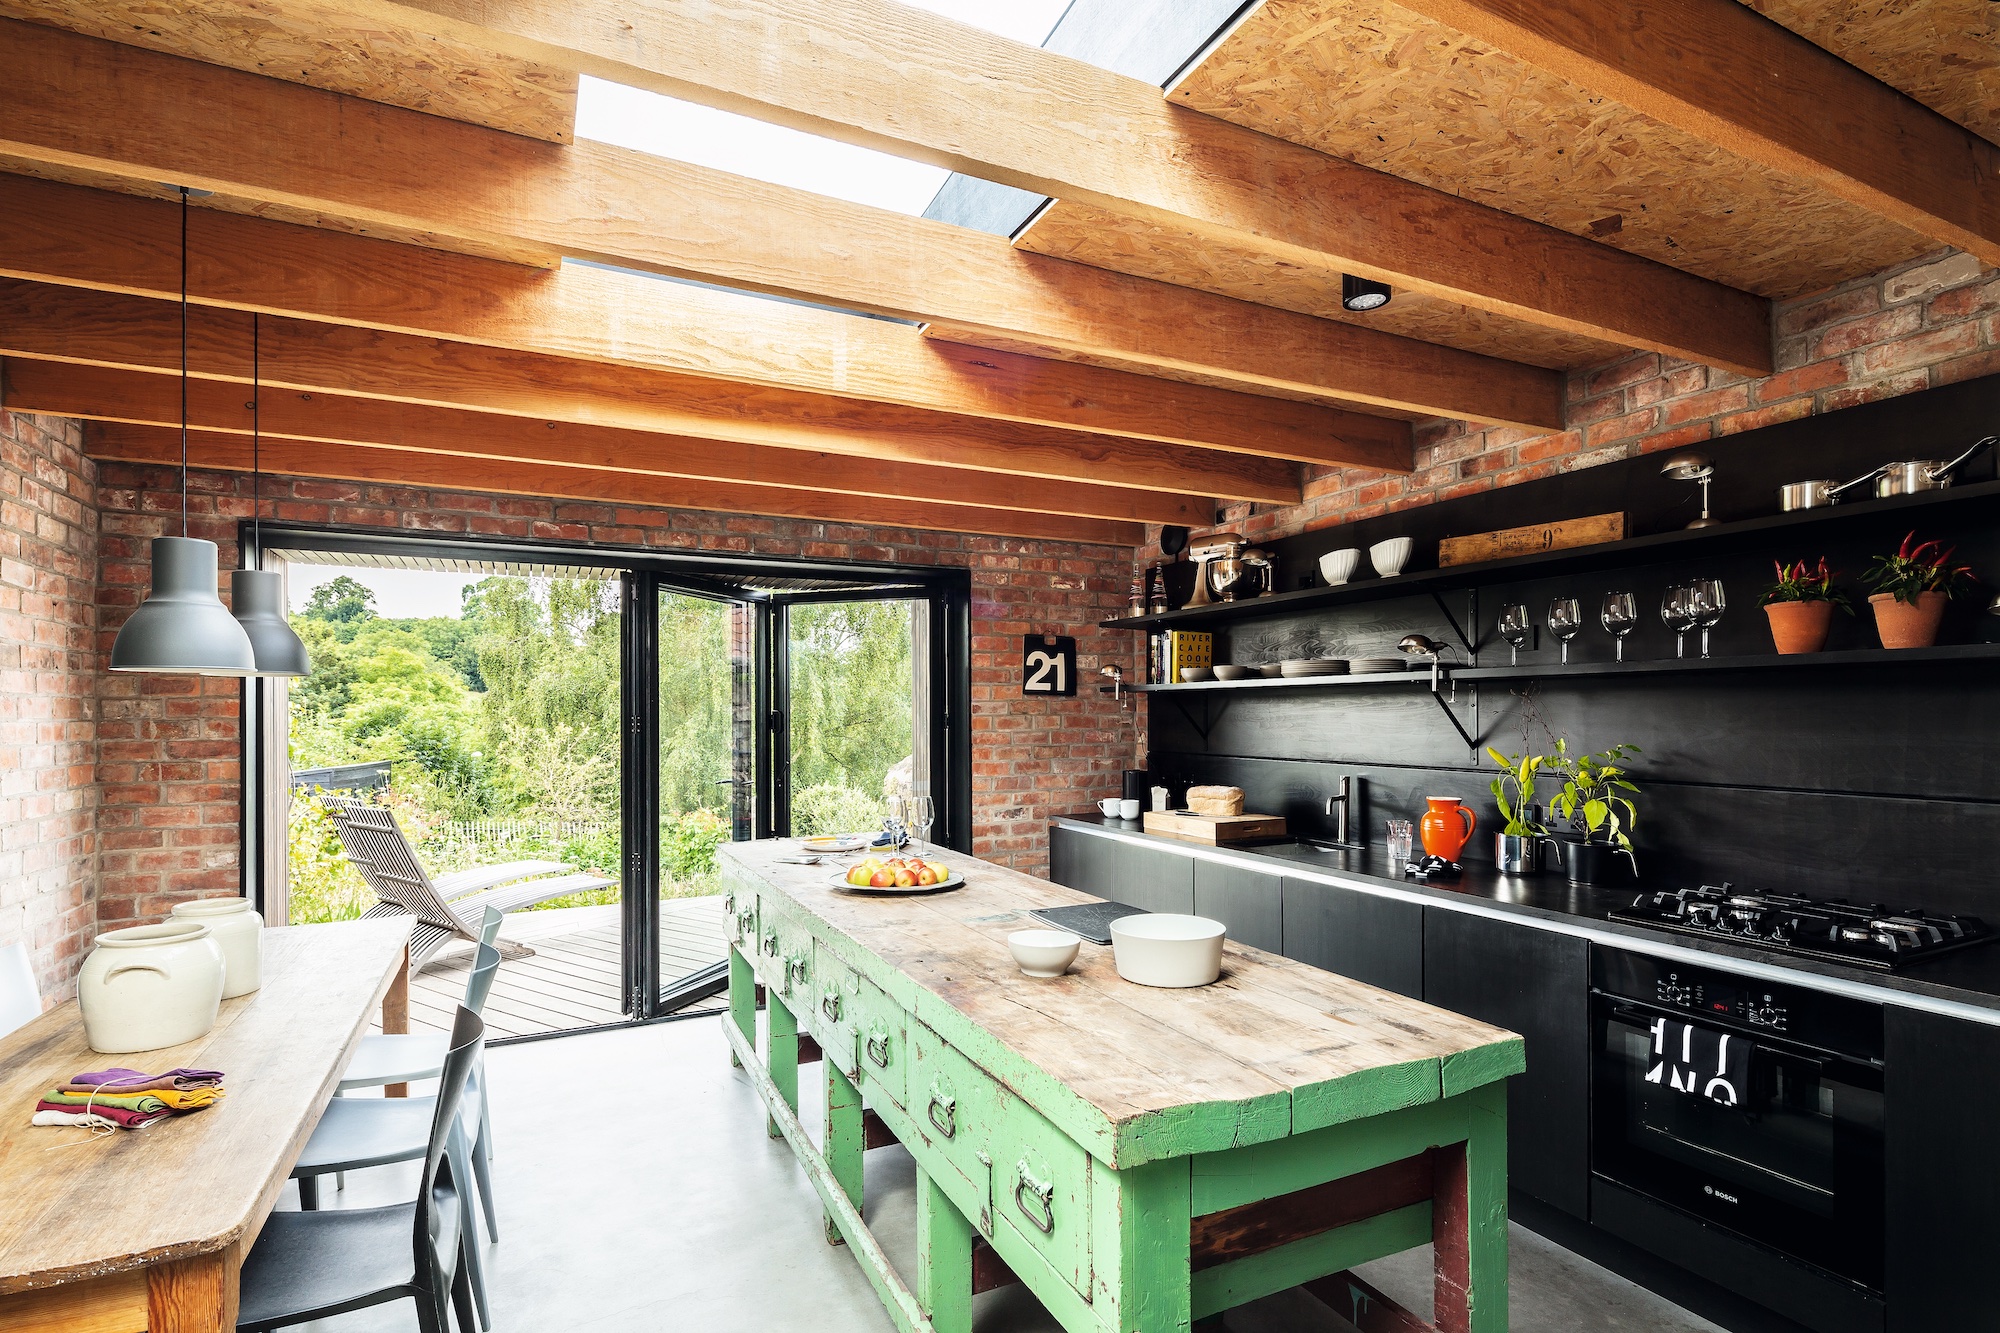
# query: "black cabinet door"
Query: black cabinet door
1939,1091
1537,983
1148,877
1249,902
1066,854
1361,935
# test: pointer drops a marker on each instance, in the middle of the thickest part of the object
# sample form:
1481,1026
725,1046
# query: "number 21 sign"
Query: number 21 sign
1048,665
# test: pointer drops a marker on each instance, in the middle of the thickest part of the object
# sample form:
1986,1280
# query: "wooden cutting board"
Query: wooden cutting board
1214,829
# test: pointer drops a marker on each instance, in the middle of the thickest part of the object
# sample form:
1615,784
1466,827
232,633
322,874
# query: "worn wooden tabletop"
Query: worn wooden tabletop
74,1207
1283,1040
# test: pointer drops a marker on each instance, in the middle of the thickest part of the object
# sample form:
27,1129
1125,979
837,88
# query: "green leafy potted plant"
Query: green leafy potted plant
1596,812
1517,847
1800,605
1910,591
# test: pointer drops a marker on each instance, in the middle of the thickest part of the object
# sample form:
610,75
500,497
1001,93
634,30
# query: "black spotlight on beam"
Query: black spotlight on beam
1362,294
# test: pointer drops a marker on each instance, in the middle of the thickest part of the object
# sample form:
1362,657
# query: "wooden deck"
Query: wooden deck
572,979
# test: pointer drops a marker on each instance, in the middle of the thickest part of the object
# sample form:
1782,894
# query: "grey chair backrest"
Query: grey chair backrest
437,1199
20,998
485,962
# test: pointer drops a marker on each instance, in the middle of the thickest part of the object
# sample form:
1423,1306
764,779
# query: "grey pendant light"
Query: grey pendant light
182,627
258,595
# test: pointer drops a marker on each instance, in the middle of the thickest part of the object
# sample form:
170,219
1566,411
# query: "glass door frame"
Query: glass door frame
644,572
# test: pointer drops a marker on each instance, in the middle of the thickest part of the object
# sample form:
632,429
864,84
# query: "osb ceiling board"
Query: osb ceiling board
1944,53
358,47
1145,249
1370,81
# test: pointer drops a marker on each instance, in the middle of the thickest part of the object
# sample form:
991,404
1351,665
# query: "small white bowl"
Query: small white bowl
1167,949
1389,557
1043,953
1337,567
1234,672
1195,675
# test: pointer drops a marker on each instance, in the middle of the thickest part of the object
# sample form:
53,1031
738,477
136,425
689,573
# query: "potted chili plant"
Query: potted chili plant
1910,591
1800,605
1595,810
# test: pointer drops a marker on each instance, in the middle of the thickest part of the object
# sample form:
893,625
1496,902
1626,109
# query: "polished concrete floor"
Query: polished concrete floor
638,1191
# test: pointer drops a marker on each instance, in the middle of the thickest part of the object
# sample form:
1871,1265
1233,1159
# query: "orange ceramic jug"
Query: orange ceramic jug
1446,826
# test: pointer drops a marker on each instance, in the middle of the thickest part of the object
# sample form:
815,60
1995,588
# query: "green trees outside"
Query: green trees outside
503,722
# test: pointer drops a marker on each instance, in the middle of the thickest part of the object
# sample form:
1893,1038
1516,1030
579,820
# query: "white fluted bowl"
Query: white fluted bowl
1389,557
1167,949
1337,567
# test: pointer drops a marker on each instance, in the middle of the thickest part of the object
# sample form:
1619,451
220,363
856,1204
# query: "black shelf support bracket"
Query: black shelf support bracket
1211,713
1444,691
1456,628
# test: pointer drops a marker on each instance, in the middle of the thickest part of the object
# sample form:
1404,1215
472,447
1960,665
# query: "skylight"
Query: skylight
668,127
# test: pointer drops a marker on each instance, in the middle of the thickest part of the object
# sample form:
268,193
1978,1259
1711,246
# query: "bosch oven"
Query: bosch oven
1750,1106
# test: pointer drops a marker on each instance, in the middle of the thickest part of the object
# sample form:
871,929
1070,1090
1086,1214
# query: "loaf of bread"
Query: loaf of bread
1215,800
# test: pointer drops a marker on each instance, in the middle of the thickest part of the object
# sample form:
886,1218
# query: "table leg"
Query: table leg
845,1143
195,1295
1469,1222
396,1014
782,1059
742,999
944,1259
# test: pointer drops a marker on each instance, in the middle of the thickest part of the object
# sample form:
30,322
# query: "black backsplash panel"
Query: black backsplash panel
1874,781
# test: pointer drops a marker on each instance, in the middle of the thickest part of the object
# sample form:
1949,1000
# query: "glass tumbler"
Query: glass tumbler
1400,842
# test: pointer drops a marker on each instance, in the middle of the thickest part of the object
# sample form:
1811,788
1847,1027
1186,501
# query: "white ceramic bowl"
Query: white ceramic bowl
1192,675
1234,672
1167,949
1337,567
1389,557
1043,953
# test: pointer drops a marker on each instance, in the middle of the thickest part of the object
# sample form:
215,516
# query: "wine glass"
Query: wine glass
1620,614
919,812
1565,620
1677,611
1708,606
1515,629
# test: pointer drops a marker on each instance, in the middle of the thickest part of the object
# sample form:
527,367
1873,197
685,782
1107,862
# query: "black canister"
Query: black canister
1135,785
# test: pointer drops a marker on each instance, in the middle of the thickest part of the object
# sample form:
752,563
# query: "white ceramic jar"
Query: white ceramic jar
237,927
145,987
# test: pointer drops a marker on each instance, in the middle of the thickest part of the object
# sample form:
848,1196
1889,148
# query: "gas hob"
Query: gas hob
1862,934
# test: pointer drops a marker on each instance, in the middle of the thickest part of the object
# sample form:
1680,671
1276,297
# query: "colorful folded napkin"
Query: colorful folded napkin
131,1080
127,1098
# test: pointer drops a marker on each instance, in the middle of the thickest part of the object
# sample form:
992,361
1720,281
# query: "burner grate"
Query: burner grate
1834,930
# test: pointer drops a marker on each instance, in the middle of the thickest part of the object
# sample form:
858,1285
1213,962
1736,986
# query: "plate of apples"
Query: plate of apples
897,875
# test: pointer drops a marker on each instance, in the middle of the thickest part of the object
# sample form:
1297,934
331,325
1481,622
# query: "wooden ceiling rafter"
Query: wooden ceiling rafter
95,393
893,77
65,234
621,491
1720,71
70,103
135,333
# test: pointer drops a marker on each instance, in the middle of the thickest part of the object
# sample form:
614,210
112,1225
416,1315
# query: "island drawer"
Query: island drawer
784,953
1021,1170
884,1053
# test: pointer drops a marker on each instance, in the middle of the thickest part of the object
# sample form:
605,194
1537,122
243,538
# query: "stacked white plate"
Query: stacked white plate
1297,667
1373,664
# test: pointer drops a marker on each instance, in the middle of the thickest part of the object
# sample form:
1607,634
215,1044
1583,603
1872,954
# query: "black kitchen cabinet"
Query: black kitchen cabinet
1155,879
1361,935
1536,983
1080,861
1249,902
1940,1088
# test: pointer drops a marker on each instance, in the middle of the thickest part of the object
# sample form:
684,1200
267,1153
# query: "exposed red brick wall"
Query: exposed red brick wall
1926,324
171,765
48,707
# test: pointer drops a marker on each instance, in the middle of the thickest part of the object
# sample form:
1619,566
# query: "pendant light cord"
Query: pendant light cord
184,361
256,437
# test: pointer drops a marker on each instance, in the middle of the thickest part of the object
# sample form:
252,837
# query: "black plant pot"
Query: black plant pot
1597,864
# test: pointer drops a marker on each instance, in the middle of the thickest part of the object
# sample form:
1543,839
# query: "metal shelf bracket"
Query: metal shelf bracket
1444,691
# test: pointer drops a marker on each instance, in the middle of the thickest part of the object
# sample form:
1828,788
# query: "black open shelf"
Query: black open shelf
1725,537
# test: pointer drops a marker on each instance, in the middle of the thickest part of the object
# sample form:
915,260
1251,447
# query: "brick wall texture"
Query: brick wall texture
119,795
48,695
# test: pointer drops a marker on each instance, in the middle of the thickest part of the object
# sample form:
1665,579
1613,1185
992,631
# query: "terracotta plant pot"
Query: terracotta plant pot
1904,626
1799,627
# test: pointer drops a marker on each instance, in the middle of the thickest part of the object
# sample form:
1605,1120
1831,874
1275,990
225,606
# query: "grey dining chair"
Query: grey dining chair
20,998
312,1265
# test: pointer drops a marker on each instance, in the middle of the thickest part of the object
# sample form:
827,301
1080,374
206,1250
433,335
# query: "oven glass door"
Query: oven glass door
1795,1164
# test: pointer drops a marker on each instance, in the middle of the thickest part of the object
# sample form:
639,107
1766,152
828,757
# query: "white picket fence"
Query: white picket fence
500,834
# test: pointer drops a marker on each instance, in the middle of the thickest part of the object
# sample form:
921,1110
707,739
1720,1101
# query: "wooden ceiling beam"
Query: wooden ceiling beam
906,81
67,234
137,398
135,333
624,490
86,109
1724,73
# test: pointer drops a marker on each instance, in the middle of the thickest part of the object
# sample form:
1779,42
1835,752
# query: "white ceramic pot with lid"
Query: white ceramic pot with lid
237,927
146,987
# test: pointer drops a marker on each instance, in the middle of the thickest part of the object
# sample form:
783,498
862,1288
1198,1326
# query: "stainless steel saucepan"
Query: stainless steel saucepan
1902,478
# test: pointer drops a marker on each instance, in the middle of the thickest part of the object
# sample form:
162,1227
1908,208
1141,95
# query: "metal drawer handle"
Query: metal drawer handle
1044,1192
878,1048
771,943
796,970
728,902
829,1005
745,922
948,1126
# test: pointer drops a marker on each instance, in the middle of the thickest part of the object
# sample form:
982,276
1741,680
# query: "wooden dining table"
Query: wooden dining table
147,1229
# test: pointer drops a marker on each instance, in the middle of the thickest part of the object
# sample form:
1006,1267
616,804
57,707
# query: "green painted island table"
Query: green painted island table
1140,1158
